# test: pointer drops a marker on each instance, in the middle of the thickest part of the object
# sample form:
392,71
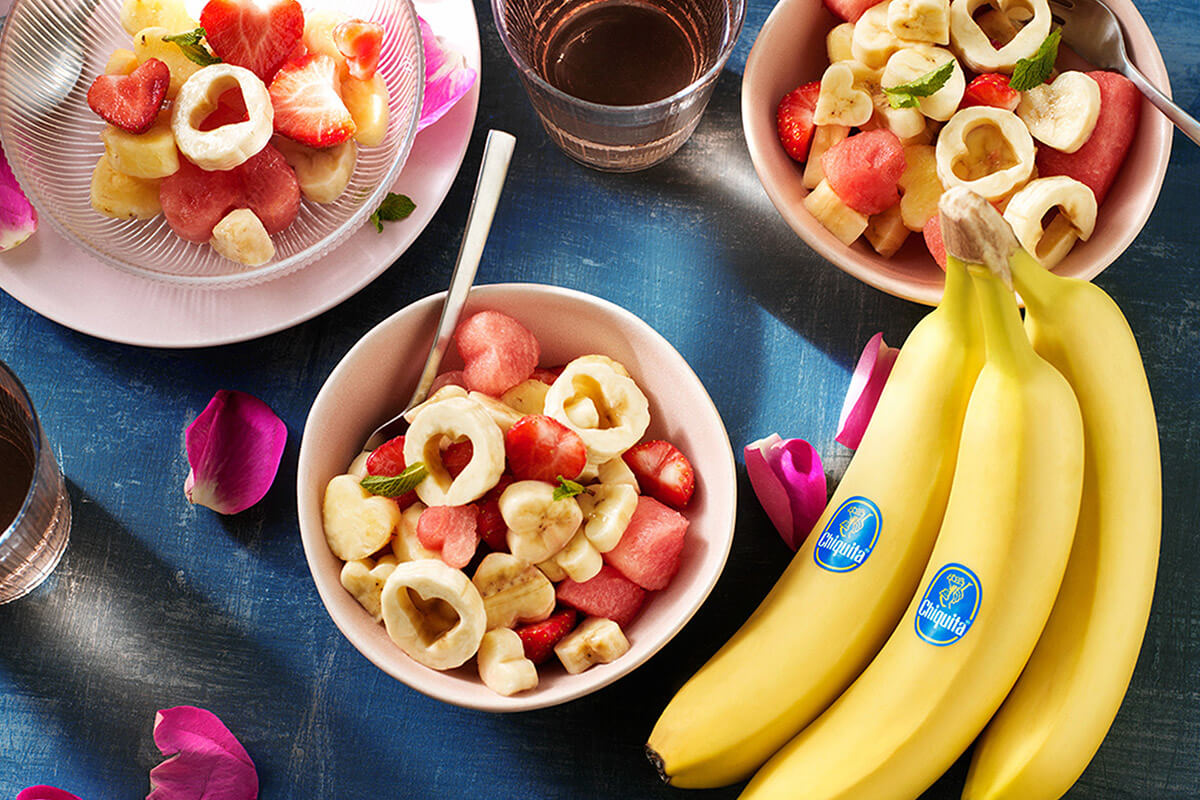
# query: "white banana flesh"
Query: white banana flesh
323,173
444,393
975,47
505,416
623,411
838,218
503,667
873,42
596,641
364,579
838,43
433,613
911,63
616,471
840,102
538,525
579,558
527,397
513,591
824,137
356,522
1062,114
985,150
455,418
240,236
229,145
920,186
607,509
406,545
904,122
1074,219
920,20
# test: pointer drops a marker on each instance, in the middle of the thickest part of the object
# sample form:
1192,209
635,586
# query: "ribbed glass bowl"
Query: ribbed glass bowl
52,50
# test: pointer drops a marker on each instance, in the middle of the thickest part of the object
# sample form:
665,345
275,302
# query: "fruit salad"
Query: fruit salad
923,95
225,123
520,520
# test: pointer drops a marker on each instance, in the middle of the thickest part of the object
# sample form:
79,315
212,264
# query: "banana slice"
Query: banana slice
579,558
624,412
904,122
444,393
920,20
1062,114
840,102
607,509
229,145
920,186
838,218
824,137
527,397
538,525
433,613
406,545
356,522
616,471
1076,217
455,417
513,590
552,570
596,641
503,667
886,232
974,46
240,236
358,467
987,150
364,579
913,62
873,42
582,412
838,43
505,416
323,173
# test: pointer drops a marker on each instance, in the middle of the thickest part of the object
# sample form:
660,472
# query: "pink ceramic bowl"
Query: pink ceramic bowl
790,51
375,379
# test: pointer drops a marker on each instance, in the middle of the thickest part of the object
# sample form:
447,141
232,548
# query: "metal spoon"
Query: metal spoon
1094,32
497,152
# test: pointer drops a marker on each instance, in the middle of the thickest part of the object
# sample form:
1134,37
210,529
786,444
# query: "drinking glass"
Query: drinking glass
35,511
610,133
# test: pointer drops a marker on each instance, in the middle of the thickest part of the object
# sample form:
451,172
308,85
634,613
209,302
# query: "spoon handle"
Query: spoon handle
1182,120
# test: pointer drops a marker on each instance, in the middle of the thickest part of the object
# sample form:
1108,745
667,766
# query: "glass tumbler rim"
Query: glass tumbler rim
736,22
38,443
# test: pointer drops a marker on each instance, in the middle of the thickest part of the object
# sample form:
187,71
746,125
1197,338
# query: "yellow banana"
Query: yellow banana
1053,722
991,579
845,589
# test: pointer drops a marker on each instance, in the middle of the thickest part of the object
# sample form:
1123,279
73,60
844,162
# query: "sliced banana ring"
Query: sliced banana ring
873,42
1076,217
984,149
975,48
538,525
1062,114
624,412
911,63
433,612
229,145
455,417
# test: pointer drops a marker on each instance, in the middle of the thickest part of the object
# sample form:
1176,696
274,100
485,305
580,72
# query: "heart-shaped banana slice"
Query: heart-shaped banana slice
229,145
840,102
513,590
455,418
1075,217
538,525
974,46
1062,114
356,522
987,150
911,63
433,613
623,412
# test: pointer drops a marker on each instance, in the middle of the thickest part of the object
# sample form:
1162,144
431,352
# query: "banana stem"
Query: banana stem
974,232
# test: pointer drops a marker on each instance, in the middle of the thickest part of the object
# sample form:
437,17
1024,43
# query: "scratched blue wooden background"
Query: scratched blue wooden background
158,603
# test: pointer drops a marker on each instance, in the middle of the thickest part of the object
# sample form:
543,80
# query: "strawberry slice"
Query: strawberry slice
131,102
539,638
388,460
259,36
662,471
991,89
307,105
540,448
360,42
490,524
794,119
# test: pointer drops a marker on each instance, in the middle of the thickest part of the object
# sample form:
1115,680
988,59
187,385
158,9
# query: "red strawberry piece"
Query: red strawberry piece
933,240
308,107
388,460
231,108
450,529
991,89
539,638
131,102
453,378
648,553
864,170
849,10
546,376
194,200
360,42
490,525
456,456
498,351
794,119
540,448
259,36
1096,163
662,472
609,594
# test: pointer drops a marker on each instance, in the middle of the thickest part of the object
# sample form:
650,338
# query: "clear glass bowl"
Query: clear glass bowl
52,50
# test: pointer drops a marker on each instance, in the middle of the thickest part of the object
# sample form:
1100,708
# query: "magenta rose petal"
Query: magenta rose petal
206,761
44,793
18,218
789,481
866,385
447,77
768,486
234,448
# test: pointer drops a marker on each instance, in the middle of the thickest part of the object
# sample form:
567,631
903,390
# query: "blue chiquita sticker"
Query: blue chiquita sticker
949,605
849,536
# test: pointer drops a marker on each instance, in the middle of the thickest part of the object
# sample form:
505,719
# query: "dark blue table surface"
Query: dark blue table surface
159,603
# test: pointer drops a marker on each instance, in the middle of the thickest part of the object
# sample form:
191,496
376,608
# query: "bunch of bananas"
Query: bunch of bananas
995,536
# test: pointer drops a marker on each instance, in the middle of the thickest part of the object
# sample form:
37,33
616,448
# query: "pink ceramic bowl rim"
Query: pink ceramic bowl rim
775,168
716,478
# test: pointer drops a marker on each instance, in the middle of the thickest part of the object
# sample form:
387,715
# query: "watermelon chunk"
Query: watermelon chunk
609,594
933,240
270,188
864,170
1096,163
648,553
450,529
498,352
849,10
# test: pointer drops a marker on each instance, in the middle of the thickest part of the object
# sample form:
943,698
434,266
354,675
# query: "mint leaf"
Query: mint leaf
394,207
1035,70
189,43
396,485
905,94
566,489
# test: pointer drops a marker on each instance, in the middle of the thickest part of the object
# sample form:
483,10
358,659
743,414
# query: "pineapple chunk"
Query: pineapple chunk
318,35
241,237
824,137
148,43
920,186
121,62
142,155
122,196
138,15
838,218
886,232
367,102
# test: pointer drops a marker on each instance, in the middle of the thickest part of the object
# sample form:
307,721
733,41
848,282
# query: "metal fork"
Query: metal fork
1094,32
